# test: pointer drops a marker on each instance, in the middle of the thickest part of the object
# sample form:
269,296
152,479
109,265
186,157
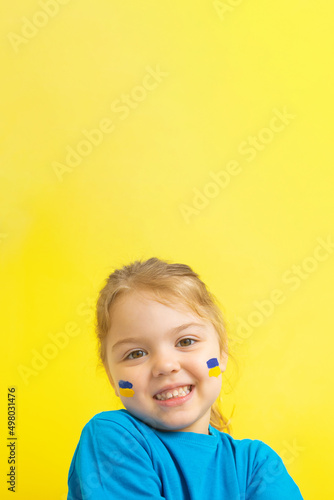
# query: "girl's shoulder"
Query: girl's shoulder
233,441
118,420
120,417
116,428
252,450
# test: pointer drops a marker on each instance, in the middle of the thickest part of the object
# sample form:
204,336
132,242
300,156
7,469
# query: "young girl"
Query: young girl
164,347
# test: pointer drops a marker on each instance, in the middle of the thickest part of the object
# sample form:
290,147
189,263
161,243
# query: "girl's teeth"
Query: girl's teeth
181,392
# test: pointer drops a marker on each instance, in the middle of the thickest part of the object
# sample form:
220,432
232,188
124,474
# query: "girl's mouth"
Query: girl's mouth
175,397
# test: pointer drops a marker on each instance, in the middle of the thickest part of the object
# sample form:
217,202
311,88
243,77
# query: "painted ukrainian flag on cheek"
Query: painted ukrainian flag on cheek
125,389
213,365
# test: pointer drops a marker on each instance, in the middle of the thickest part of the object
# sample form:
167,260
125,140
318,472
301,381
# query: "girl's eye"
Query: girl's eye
186,342
135,354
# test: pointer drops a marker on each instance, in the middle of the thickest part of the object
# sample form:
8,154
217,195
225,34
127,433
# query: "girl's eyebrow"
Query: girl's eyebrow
173,331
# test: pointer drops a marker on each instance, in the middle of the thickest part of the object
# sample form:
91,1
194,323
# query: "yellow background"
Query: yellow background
227,66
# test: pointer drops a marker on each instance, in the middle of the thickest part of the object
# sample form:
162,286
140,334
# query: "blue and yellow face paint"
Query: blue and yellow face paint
125,389
213,365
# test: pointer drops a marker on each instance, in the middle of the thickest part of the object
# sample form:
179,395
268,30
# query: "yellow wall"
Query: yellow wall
199,132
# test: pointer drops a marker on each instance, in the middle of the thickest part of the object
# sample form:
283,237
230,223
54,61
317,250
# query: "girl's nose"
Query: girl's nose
164,364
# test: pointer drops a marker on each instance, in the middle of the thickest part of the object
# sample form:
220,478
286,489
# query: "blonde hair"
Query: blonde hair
168,282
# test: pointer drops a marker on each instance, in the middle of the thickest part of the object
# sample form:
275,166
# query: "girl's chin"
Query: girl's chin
169,424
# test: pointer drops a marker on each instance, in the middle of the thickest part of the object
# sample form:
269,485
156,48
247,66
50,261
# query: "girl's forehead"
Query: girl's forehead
148,298
143,309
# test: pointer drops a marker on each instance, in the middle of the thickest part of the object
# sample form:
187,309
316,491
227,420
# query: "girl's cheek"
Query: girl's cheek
125,388
213,366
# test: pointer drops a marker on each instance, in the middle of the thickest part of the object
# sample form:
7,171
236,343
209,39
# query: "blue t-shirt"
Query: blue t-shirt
119,457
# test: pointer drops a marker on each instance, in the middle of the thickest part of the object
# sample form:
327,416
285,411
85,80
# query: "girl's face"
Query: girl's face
154,350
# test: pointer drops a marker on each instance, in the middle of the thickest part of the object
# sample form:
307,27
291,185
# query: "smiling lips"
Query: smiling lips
175,393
